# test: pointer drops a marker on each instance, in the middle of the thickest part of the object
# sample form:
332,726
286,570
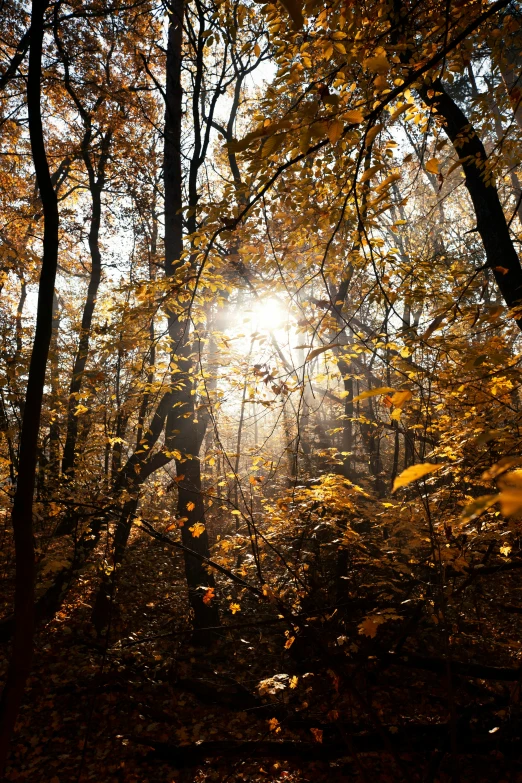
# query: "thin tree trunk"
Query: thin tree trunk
96,185
23,642
54,428
347,437
291,455
152,351
240,433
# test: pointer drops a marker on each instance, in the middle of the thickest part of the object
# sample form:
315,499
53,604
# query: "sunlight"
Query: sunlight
270,314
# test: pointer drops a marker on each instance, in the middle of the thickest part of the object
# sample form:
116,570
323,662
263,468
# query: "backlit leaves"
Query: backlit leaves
373,393
433,165
477,507
197,529
414,473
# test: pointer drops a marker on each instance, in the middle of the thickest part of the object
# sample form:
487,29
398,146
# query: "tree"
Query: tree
21,656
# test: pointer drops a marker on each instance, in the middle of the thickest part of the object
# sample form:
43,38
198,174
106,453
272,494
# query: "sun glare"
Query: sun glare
270,314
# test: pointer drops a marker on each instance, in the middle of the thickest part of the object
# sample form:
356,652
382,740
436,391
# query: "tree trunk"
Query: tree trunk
22,651
181,431
501,256
96,185
347,437
54,427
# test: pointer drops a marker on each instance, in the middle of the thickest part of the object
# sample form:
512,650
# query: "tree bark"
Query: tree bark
182,433
22,652
501,256
54,427
96,185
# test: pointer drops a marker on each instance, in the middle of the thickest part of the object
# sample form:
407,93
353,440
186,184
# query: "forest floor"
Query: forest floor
106,709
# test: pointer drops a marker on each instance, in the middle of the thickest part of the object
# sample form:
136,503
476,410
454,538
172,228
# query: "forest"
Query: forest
260,391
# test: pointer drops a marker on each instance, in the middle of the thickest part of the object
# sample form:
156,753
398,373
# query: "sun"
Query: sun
268,313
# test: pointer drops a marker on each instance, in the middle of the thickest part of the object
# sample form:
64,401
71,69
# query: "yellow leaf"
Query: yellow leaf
304,138
396,414
400,398
197,529
477,507
399,110
240,145
354,117
459,162
322,349
500,467
378,64
234,608
373,393
510,501
510,496
432,165
271,144
433,326
174,454
293,681
370,172
191,506
388,181
369,625
273,725
236,513
257,50
335,130
53,566
505,549
372,133
413,473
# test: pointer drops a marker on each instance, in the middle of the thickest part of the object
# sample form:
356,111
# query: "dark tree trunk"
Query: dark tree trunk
54,427
501,256
22,651
173,176
182,433
96,185
101,613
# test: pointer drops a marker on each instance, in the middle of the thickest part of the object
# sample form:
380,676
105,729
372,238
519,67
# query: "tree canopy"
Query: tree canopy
260,399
